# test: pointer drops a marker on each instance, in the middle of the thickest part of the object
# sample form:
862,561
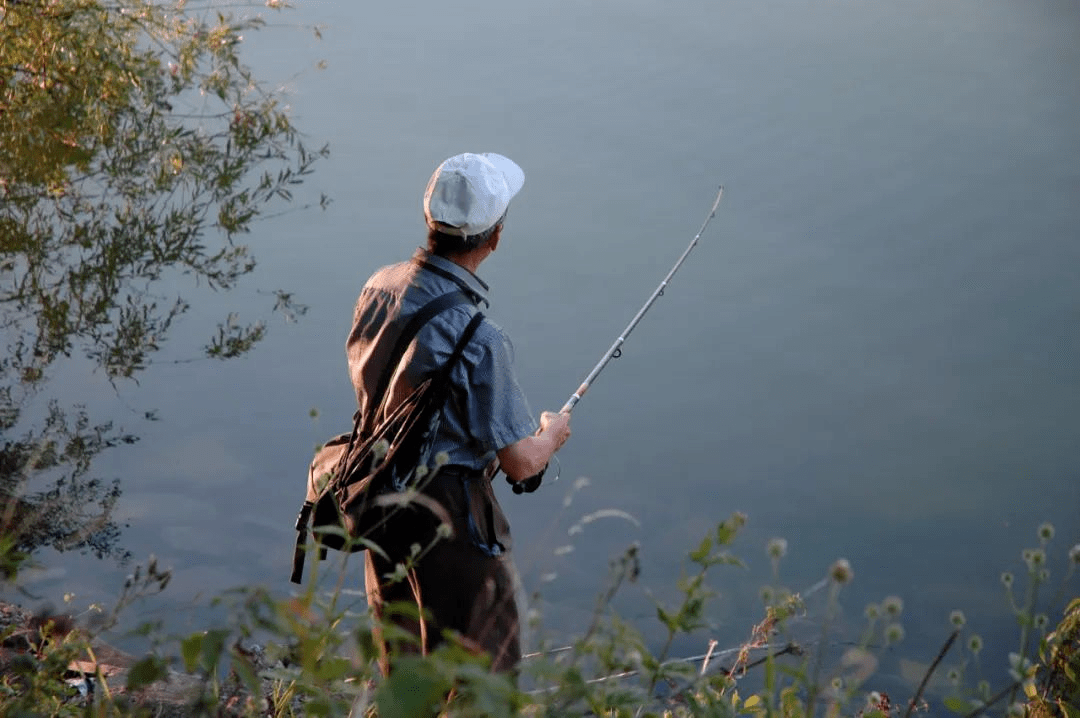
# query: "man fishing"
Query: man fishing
463,582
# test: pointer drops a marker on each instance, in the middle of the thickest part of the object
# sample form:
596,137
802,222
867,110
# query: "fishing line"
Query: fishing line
616,349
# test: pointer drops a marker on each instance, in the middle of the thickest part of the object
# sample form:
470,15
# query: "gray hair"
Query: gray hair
443,243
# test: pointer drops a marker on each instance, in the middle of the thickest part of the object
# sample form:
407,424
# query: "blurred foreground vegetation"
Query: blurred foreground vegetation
313,654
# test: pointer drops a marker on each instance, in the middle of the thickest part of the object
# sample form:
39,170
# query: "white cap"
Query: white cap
469,193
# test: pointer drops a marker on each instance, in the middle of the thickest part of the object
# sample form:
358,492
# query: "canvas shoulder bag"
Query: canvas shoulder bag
356,481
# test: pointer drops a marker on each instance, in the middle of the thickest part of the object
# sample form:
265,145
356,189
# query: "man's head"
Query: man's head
466,200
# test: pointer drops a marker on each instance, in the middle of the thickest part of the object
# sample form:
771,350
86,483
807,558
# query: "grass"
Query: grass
317,656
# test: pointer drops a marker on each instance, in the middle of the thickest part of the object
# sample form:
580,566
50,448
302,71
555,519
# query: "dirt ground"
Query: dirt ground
170,697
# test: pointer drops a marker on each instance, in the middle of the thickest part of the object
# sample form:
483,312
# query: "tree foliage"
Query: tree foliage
135,149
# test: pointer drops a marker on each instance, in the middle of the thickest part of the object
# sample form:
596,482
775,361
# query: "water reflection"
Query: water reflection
125,177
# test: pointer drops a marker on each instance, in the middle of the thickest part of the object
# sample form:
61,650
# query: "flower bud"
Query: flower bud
841,572
776,548
893,606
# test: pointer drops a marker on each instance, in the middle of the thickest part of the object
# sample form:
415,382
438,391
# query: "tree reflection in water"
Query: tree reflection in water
135,147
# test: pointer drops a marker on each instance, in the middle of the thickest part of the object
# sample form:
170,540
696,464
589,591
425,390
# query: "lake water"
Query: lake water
873,352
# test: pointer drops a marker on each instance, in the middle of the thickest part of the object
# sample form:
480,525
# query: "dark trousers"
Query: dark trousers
455,585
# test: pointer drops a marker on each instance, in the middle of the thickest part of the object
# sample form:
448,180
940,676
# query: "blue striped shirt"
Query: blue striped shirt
487,409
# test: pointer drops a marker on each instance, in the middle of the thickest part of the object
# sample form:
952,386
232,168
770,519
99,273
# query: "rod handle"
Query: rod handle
574,398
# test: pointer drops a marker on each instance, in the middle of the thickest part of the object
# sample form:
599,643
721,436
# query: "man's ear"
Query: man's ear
494,241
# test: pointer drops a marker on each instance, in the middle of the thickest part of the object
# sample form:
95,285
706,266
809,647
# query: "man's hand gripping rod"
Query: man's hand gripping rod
616,348
533,482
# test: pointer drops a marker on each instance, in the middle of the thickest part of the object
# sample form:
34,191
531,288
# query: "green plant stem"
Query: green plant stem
672,632
606,598
627,568
1029,609
997,697
819,657
868,634
1025,626
660,661
1059,596
930,671
98,673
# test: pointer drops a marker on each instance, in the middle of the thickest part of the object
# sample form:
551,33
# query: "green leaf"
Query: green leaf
702,552
190,650
245,670
412,689
727,530
212,645
959,705
146,671
331,669
792,705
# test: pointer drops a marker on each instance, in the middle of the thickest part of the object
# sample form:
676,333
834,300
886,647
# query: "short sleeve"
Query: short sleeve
498,412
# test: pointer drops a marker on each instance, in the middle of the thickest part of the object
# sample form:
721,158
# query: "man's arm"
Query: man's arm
528,457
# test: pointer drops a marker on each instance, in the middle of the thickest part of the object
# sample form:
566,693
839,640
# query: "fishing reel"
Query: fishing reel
529,485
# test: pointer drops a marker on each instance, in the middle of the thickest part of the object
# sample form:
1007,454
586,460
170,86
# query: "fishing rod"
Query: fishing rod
616,349
533,482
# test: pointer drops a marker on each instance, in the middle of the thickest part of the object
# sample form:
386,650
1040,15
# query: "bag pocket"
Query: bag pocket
488,527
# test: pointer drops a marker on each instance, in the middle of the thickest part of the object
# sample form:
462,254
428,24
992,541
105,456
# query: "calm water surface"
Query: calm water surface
873,352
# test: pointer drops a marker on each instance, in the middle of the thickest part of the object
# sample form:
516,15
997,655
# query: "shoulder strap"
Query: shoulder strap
459,348
408,333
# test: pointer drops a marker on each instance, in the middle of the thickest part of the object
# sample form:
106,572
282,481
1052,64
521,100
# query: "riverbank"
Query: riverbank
99,668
